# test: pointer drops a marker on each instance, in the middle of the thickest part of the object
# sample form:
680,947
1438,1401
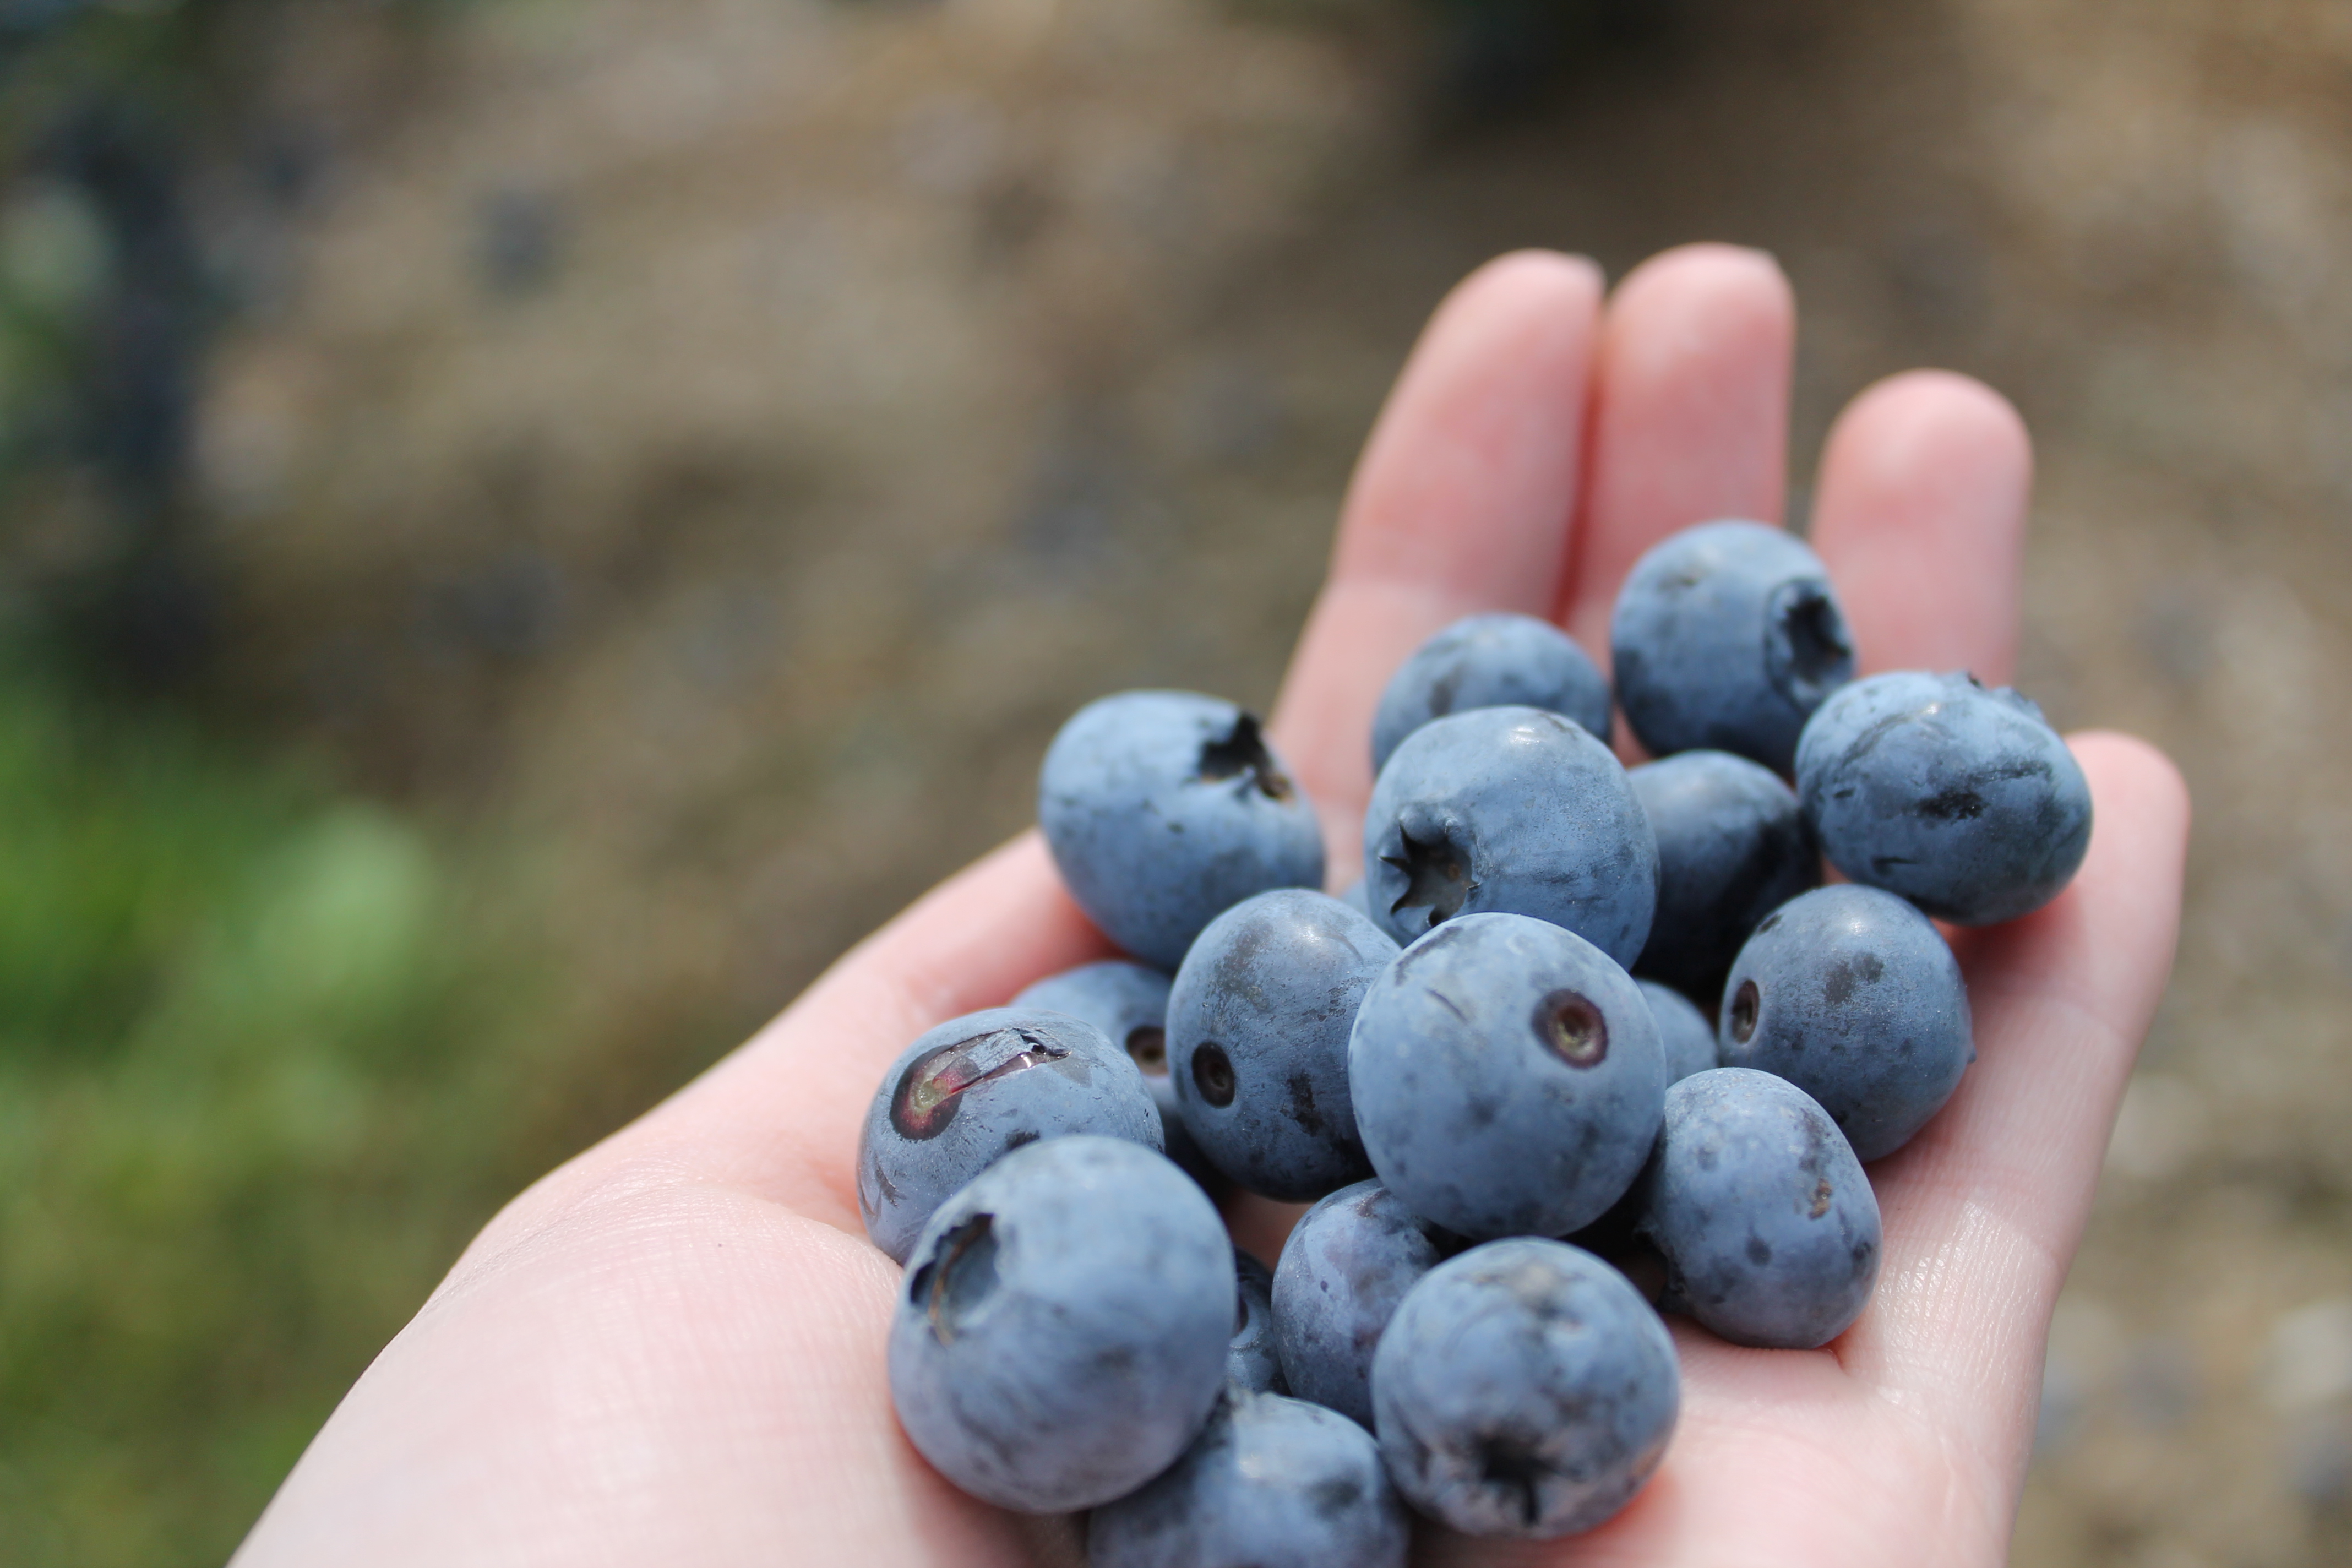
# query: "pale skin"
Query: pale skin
671,1349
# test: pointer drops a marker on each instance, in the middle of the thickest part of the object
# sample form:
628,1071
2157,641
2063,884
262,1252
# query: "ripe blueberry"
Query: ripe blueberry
1959,798
1732,847
1257,1041
1507,1077
1510,811
1767,1226
1850,994
1164,808
1061,1334
1727,636
1494,660
1524,1389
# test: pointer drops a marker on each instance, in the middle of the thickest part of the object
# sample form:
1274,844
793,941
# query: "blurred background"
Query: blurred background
527,525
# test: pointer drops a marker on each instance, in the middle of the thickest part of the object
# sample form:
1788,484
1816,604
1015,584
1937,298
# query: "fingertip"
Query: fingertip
1726,303
1735,274
1691,417
1940,418
1563,276
2136,782
1920,514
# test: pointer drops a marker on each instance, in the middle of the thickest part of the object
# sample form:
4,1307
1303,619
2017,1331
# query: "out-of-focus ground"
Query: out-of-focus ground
677,462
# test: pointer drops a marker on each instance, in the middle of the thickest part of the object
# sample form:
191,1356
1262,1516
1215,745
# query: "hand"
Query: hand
670,1349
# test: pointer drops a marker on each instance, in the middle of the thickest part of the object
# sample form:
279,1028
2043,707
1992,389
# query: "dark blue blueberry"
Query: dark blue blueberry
1510,811
1507,1076
1524,1389
1271,1483
1257,1041
1062,1332
1850,994
1727,636
1959,798
1732,847
1253,1361
1349,1262
1490,661
1129,1002
1162,809
1687,1038
1769,1227
976,1088
1357,896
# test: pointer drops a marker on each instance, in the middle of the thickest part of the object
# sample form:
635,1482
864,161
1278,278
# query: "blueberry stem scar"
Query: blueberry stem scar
1435,878
1241,754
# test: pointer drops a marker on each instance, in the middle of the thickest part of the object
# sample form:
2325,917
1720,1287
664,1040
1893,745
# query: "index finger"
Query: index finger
1461,502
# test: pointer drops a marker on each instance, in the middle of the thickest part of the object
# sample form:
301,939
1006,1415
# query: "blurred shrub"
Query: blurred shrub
255,1091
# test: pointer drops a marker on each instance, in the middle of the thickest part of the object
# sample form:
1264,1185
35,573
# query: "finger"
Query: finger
1461,502
1690,418
1983,1210
1920,513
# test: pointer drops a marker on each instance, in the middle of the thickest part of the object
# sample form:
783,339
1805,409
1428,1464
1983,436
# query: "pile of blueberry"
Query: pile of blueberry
1498,1124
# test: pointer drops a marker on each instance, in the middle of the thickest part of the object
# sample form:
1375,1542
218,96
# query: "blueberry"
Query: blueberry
1349,1262
1507,1076
1732,847
1271,1483
1769,1227
1727,636
1253,1360
1850,994
1510,811
1526,1389
1257,1041
1491,661
1959,798
1062,1332
1164,808
1687,1038
1356,897
1129,1002
974,1089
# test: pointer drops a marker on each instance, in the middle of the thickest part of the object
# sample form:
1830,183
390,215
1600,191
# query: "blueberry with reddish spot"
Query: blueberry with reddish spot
976,1088
1129,1002
1851,993
1964,800
1682,1030
1524,1389
1510,811
1349,1262
1061,1331
1271,1483
1496,660
1727,636
1163,809
1732,847
1767,1226
1253,1360
1507,1077
1257,1041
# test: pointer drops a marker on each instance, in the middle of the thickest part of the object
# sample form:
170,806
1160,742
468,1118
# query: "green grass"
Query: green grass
259,1052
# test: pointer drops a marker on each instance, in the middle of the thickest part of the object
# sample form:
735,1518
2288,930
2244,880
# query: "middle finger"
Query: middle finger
1690,415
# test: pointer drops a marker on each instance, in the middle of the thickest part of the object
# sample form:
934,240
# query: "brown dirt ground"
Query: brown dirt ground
718,441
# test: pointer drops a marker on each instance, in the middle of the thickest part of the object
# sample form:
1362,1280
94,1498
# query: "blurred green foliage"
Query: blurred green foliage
253,1097
266,1052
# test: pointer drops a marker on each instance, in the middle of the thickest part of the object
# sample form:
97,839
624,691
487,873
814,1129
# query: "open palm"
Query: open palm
671,1350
